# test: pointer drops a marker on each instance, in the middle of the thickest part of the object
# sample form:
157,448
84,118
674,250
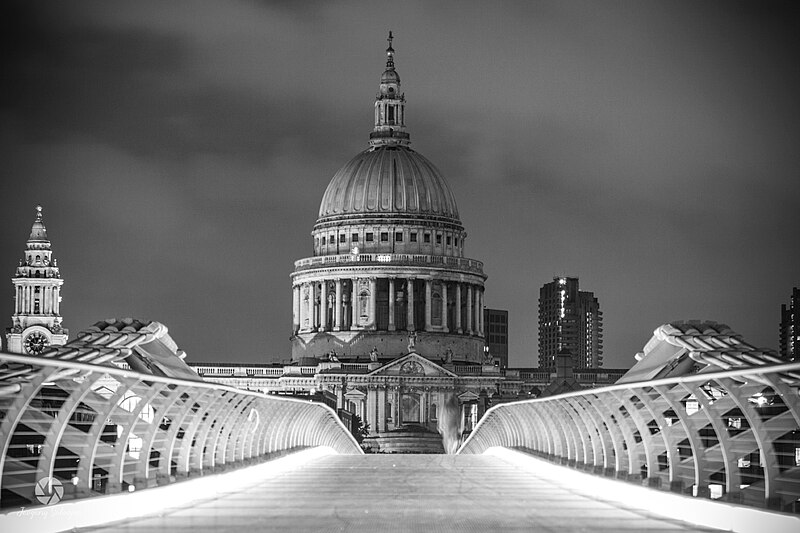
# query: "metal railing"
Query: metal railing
94,429
732,435
458,263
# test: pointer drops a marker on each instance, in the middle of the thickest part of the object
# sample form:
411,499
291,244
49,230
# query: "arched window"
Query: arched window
363,304
436,309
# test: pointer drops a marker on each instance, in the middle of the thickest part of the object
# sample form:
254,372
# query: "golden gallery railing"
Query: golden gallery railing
732,435
71,429
369,259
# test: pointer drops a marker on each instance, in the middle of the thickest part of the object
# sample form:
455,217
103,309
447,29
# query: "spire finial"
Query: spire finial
390,53
38,213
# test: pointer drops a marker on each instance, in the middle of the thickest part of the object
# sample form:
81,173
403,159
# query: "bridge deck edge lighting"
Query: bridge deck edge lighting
105,510
698,511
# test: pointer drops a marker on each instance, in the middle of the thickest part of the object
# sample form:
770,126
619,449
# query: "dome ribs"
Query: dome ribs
354,192
385,184
371,192
399,197
389,181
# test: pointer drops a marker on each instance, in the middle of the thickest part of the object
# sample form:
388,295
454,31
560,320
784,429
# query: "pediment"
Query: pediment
355,395
468,396
413,365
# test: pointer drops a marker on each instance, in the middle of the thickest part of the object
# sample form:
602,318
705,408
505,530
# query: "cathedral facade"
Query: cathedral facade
389,274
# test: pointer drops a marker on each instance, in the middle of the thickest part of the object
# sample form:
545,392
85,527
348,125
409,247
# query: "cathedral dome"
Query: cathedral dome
389,179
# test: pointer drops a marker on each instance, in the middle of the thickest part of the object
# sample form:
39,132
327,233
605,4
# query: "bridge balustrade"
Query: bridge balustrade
730,435
99,429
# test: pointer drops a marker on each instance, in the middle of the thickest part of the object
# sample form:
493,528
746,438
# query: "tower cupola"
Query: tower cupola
36,322
390,106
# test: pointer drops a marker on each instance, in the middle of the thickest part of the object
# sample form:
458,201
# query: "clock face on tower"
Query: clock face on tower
35,343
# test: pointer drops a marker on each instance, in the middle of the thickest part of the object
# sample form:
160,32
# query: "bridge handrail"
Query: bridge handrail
733,435
101,429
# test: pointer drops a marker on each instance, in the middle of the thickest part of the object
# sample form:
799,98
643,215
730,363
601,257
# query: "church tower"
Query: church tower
36,323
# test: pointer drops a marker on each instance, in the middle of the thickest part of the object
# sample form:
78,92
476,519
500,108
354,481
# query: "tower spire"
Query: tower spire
36,322
390,53
390,106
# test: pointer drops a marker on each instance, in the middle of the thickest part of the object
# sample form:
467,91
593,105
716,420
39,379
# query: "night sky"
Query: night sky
180,151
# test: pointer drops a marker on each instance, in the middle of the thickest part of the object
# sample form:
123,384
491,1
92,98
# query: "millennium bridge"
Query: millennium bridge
705,438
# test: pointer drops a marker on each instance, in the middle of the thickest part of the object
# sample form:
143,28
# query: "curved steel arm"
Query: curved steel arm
733,435
99,429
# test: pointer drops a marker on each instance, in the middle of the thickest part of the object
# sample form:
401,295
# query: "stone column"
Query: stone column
459,329
469,309
338,311
354,303
58,297
444,306
373,303
410,304
314,307
301,315
423,408
381,427
428,293
391,304
480,312
397,410
295,309
339,397
323,307
372,415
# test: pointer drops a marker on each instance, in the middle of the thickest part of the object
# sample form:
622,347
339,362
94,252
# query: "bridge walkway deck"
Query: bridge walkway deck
405,493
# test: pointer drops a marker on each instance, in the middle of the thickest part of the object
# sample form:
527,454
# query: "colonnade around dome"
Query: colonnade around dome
389,307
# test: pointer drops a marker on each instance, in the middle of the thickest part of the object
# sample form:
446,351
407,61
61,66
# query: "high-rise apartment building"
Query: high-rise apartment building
496,324
790,327
569,319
